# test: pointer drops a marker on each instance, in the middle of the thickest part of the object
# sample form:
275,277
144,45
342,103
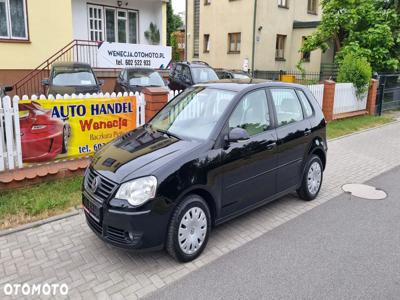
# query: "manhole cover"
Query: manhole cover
364,191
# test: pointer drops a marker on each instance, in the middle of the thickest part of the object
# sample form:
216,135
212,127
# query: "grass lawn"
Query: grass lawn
342,127
39,202
56,197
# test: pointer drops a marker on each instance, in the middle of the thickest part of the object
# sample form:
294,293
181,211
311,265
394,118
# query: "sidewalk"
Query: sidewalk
68,252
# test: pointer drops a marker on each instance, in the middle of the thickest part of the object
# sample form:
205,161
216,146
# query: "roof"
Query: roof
141,70
237,85
71,64
305,24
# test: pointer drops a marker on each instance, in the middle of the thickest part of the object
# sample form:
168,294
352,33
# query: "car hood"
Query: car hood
139,153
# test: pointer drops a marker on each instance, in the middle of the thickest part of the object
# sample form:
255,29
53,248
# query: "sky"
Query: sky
178,5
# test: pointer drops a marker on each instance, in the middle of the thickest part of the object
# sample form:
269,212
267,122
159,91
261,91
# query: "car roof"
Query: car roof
237,85
194,64
142,70
71,65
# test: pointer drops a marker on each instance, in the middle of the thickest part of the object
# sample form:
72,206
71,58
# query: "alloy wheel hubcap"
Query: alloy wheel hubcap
192,230
314,177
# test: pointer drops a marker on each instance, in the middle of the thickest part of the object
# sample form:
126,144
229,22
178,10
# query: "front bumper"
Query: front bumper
144,229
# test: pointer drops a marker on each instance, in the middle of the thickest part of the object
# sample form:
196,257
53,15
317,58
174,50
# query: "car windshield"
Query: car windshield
194,113
240,76
203,75
73,77
143,78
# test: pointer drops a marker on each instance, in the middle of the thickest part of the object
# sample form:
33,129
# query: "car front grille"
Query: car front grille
105,188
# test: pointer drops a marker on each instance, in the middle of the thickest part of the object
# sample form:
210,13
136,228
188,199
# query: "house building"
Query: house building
32,31
261,34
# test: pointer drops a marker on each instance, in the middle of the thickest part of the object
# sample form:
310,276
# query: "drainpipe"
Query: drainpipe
254,37
186,29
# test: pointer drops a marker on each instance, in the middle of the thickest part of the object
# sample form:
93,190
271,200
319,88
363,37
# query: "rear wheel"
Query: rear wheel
312,179
189,229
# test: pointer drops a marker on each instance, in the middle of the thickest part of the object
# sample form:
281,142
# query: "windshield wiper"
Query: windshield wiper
170,134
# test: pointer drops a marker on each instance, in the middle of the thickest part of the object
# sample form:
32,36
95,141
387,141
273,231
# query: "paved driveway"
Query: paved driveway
67,251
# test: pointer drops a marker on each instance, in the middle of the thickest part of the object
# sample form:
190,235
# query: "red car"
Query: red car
42,136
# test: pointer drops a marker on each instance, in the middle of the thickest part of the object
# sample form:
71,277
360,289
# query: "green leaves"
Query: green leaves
363,28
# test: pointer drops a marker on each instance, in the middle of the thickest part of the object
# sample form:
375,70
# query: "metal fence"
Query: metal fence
388,97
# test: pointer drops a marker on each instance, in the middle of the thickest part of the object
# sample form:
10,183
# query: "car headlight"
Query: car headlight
138,191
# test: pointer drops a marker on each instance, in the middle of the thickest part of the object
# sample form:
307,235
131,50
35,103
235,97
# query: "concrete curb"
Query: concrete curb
39,223
78,211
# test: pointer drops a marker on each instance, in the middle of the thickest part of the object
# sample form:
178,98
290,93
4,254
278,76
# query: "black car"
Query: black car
212,153
136,79
72,78
231,74
186,74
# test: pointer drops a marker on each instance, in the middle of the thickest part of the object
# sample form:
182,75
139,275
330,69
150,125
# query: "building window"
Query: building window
112,24
13,20
312,7
206,43
207,2
305,56
234,42
196,28
280,47
283,3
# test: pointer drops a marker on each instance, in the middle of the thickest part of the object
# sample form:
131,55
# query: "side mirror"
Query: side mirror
101,82
8,88
238,135
45,82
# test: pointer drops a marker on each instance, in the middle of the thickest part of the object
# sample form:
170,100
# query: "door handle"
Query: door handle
307,132
271,146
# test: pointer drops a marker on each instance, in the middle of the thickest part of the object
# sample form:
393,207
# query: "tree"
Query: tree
173,22
153,34
362,28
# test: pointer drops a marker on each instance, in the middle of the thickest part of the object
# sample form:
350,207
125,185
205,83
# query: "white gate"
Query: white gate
10,135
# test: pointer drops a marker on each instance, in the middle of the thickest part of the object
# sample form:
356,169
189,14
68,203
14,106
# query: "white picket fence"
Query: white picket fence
345,97
10,134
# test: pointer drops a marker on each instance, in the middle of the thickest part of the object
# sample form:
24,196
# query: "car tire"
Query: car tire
66,135
312,179
189,229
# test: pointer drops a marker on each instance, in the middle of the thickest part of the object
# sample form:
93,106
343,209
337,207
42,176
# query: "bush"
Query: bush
356,70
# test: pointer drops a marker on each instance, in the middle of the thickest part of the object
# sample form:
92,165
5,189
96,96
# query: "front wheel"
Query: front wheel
312,179
189,229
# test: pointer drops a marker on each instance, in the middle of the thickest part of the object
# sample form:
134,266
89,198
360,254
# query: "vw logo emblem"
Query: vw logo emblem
95,184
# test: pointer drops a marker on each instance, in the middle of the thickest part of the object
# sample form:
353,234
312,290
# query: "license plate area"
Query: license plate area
93,209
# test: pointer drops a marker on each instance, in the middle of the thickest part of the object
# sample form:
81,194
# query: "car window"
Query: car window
203,75
252,113
287,105
308,111
145,78
178,70
240,76
73,77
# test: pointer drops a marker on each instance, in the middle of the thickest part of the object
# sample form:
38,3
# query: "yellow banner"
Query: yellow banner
61,128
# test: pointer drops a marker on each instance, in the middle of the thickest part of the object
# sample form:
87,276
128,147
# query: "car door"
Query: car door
249,166
293,136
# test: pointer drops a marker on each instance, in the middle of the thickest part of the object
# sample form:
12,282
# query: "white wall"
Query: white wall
149,11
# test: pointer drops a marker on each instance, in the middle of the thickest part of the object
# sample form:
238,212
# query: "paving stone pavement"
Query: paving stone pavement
66,251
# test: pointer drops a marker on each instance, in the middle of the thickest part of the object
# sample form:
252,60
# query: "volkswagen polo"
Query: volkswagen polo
214,152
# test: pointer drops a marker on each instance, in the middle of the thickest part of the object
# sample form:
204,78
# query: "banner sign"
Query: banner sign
120,55
52,129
